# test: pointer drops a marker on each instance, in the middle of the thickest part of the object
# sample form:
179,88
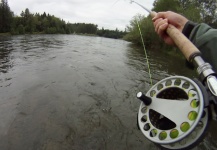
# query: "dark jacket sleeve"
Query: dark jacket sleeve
205,39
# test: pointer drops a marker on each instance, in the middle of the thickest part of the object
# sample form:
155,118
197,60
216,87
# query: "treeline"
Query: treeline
29,23
195,10
82,28
111,33
5,16
40,23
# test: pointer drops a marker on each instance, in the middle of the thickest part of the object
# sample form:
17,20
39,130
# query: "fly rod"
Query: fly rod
176,108
191,53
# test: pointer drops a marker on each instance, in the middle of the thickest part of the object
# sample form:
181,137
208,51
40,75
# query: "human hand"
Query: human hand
163,19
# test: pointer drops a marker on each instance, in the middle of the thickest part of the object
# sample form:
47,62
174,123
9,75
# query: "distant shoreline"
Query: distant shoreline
41,33
36,33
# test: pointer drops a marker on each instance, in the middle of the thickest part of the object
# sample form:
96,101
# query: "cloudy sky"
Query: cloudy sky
110,14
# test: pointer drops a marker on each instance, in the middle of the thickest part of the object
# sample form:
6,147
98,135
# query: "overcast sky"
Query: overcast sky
110,14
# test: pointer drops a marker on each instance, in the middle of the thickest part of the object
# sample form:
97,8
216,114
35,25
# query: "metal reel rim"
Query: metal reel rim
183,135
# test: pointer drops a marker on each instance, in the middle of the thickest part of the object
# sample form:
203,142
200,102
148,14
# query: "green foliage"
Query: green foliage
115,34
208,11
133,30
166,5
192,13
51,30
45,23
28,23
148,34
21,29
195,10
147,29
5,16
82,28
37,23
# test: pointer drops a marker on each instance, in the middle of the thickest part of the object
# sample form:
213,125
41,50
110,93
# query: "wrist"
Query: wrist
188,27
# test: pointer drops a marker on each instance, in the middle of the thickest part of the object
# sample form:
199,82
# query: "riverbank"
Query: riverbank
5,34
9,34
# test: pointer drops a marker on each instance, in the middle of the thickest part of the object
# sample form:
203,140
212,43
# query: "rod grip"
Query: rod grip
153,14
188,49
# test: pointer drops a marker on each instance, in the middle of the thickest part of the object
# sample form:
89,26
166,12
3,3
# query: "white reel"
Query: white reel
175,118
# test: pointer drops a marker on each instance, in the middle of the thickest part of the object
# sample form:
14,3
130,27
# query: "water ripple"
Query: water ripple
76,92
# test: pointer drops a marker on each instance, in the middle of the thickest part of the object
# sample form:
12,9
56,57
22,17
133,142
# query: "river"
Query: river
78,92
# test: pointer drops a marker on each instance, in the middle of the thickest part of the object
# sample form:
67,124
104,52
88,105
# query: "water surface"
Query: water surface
77,92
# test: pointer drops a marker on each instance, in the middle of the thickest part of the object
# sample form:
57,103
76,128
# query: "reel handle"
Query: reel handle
145,99
188,49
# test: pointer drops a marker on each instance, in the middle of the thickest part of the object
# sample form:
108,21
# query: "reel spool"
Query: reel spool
172,113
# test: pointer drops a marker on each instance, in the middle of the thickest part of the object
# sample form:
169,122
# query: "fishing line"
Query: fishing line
159,119
143,44
147,61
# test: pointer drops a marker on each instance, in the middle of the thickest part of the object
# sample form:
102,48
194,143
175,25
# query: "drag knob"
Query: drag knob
145,99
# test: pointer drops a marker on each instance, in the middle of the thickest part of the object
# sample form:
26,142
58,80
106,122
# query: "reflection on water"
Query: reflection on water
77,92
6,61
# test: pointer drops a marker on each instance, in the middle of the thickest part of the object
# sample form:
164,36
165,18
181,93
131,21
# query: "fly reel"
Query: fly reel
172,113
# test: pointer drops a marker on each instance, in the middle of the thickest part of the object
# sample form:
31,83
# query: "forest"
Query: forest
197,11
29,23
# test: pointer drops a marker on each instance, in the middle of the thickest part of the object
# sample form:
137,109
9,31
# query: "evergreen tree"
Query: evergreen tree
5,16
45,23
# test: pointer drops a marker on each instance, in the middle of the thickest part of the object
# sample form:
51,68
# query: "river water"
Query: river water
78,92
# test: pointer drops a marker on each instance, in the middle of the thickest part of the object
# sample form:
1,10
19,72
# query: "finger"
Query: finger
162,29
159,15
161,26
156,24
168,40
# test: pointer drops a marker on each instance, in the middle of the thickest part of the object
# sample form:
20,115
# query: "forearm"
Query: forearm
205,39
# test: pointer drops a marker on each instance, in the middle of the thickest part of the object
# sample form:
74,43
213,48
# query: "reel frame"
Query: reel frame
181,115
